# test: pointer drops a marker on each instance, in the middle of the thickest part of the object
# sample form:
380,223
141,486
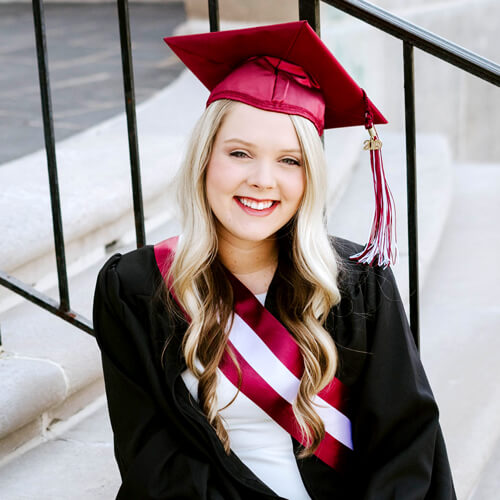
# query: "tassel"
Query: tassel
381,248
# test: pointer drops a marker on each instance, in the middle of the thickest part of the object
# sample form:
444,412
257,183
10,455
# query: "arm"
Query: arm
396,430
152,463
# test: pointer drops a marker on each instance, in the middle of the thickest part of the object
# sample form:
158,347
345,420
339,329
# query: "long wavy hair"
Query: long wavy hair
306,277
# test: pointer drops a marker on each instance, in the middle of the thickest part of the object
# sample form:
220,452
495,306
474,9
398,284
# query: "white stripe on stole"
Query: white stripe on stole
282,380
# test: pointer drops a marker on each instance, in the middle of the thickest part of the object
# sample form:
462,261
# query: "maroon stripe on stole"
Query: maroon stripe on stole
164,255
330,451
280,341
267,327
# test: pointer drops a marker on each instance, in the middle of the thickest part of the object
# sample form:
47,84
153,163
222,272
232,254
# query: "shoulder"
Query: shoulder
343,247
373,283
370,319
133,273
350,271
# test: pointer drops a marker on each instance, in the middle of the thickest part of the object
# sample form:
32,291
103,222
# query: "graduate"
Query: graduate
253,356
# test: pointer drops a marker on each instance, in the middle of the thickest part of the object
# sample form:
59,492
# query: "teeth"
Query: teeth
256,205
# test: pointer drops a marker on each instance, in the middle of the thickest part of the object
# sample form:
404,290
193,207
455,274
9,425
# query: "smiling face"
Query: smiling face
255,179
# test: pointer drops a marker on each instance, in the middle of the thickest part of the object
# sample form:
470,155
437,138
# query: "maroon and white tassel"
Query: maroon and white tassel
381,248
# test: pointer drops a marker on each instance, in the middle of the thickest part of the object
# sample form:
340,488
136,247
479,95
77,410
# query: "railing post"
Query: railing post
309,11
213,15
411,180
50,148
128,87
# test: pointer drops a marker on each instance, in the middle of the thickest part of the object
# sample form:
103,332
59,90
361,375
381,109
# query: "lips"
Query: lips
255,204
256,207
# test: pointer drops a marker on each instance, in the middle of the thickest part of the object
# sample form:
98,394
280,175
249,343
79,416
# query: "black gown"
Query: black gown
165,447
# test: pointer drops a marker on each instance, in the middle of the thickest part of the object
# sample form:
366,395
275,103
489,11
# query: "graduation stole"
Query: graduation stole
271,366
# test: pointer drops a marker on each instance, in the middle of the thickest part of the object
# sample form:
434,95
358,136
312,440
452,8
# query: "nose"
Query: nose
262,176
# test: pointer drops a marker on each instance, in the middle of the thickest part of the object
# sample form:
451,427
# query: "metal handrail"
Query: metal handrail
411,35
420,38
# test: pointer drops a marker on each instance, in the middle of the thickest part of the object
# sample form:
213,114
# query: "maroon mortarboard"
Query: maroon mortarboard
287,68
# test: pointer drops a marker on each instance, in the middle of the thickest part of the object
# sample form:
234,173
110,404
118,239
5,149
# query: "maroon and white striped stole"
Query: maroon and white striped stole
271,366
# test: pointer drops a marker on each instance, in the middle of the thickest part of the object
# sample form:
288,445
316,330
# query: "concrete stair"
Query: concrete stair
77,462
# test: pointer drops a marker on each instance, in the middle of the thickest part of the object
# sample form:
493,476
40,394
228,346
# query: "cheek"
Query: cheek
296,187
220,178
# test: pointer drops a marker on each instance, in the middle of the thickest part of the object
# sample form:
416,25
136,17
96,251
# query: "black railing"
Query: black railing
411,36
133,146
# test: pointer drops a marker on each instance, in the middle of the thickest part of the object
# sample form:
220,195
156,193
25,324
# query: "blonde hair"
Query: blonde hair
307,271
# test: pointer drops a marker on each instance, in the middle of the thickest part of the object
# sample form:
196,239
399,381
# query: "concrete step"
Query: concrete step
460,324
73,463
50,370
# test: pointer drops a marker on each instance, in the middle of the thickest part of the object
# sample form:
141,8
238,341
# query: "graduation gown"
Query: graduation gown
165,447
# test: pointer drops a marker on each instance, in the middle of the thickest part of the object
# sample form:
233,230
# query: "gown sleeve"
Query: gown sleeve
396,430
151,462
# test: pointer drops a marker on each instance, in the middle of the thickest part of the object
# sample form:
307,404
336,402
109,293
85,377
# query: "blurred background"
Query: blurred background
55,438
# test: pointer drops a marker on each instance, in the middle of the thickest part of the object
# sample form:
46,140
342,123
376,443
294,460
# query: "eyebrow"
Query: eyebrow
249,144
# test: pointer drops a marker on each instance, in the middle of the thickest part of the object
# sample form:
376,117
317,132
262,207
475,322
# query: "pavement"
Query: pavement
85,69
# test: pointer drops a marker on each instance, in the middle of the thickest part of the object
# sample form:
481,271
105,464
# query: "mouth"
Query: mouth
256,207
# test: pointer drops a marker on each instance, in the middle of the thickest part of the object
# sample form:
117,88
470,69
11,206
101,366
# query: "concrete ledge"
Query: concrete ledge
29,386
36,343
76,463
18,437
76,401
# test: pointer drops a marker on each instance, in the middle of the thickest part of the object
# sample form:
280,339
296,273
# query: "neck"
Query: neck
253,263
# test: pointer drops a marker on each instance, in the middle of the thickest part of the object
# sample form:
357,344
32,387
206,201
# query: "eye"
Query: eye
238,154
291,161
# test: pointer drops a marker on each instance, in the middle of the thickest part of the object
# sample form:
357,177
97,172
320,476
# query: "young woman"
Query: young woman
252,357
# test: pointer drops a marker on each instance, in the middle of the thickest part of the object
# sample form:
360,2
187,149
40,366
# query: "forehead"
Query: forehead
267,128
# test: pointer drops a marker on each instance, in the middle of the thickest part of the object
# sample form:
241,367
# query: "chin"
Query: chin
256,237
253,236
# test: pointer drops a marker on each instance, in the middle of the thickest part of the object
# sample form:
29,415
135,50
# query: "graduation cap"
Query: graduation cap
287,68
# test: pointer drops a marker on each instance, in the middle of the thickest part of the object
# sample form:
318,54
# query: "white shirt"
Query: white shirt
258,441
